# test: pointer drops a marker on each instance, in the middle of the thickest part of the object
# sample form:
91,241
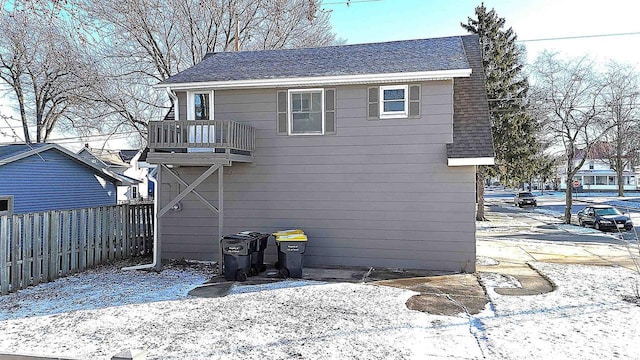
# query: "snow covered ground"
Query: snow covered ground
98,313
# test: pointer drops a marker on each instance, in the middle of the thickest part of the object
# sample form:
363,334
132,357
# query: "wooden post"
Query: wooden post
46,244
37,247
54,259
220,216
27,244
15,253
148,228
158,216
104,235
82,241
118,222
4,253
66,241
91,236
73,222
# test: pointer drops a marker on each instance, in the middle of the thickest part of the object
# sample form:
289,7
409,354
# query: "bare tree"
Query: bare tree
569,95
42,67
621,95
141,42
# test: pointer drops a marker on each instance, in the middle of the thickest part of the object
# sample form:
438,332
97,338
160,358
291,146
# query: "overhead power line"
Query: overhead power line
580,37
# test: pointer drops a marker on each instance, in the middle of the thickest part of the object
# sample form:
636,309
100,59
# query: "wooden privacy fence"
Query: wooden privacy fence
41,247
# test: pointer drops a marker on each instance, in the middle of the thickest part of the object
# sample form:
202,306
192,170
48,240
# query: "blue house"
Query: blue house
43,177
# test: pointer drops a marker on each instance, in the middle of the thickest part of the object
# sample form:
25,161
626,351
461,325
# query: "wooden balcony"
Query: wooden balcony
199,142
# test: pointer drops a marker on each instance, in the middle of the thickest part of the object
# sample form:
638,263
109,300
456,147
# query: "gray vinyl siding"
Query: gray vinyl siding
182,105
53,181
377,193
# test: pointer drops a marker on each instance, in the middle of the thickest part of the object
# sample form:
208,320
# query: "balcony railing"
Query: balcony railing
205,134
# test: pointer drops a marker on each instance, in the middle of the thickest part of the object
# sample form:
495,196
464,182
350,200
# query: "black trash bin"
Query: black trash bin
290,254
257,257
237,250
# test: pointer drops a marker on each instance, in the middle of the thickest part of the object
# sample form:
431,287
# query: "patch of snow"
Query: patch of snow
494,280
239,288
486,261
575,229
585,318
104,286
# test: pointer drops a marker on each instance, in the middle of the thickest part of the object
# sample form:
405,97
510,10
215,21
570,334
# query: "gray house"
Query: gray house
43,177
370,149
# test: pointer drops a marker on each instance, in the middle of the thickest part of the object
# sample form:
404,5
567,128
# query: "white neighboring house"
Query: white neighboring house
125,164
597,175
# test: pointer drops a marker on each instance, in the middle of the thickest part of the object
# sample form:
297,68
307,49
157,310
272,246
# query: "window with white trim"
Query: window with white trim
6,205
394,101
306,112
200,105
400,101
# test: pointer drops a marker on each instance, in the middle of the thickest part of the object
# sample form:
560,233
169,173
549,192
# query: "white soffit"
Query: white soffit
321,80
471,161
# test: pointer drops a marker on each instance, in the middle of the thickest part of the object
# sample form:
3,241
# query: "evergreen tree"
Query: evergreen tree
512,127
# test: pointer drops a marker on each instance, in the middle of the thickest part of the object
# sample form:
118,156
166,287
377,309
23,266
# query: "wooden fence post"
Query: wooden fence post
91,236
46,244
15,253
73,266
27,243
66,241
5,228
37,248
82,241
54,259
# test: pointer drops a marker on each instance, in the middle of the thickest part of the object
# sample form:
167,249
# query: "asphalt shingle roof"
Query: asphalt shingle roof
445,53
472,136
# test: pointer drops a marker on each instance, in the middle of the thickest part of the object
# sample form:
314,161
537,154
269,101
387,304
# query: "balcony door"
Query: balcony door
200,110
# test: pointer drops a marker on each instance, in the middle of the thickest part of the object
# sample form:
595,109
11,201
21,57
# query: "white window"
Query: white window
200,105
6,205
306,112
199,108
394,101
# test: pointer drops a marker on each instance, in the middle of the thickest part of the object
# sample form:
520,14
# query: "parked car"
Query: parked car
604,217
525,198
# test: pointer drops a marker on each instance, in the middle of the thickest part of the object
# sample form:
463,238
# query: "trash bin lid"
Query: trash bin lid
292,237
287,232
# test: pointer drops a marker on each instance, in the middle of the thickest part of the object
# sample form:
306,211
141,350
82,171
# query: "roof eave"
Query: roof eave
63,150
471,161
320,80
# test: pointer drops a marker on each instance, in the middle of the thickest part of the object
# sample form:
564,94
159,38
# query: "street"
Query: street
550,212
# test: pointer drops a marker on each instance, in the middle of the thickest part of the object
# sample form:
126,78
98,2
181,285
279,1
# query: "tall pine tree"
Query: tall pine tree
513,129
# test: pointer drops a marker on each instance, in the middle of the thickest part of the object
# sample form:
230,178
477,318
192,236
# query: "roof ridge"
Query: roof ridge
334,46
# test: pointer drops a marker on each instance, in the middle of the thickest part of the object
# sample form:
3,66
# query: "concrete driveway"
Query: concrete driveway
508,244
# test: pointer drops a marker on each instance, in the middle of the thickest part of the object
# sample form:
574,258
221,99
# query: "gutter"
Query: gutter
156,255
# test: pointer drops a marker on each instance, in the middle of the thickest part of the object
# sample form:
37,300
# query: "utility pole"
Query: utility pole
237,33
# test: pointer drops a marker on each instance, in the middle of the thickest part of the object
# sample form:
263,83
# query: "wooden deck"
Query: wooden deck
200,142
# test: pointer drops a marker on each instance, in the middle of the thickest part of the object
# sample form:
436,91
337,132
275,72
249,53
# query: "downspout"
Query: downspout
155,230
156,255
174,97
